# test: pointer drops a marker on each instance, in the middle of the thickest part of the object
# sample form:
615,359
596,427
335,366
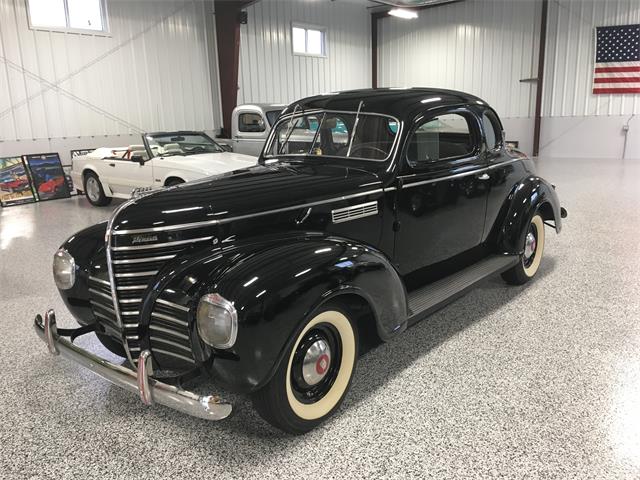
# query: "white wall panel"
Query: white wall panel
270,72
570,57
150,73
483,47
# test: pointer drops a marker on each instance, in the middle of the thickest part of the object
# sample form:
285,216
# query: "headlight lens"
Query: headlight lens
64,269
217,321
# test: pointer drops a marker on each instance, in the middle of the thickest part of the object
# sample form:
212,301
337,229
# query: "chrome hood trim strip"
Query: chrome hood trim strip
186,226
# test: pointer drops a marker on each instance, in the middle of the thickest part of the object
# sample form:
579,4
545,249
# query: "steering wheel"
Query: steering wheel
368,147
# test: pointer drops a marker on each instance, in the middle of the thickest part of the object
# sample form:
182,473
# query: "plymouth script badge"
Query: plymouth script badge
144,238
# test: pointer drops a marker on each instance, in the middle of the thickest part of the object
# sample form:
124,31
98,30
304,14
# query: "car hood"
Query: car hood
208,163
243,192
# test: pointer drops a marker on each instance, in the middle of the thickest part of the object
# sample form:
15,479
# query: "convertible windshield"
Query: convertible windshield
181,144
335,134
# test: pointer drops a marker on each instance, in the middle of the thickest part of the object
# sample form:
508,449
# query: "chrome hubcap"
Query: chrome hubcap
93,191
529,246
316,362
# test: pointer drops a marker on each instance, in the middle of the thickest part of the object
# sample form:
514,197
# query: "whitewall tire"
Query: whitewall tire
315,375
531,257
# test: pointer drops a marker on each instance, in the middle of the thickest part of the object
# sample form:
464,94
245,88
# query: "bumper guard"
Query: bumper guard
150,390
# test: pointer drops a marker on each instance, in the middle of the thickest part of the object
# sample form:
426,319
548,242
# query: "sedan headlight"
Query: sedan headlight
217,321
64,269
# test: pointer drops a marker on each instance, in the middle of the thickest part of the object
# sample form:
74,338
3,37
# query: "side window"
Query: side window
444,137
492,130
250,122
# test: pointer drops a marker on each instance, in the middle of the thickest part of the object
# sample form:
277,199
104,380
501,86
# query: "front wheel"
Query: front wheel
531,257
314,377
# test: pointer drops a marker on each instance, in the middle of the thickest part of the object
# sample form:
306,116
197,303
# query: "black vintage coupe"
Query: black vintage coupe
368,210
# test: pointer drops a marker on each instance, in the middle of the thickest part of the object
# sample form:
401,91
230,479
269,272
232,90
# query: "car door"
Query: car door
124,174
251,132
441,190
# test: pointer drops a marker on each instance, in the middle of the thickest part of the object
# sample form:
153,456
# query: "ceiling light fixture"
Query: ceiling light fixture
403,13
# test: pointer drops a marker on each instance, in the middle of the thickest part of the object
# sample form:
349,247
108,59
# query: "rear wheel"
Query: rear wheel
94,191
173,181
531,257
314,377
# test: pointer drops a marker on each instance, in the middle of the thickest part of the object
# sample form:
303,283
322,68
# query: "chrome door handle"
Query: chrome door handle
484,176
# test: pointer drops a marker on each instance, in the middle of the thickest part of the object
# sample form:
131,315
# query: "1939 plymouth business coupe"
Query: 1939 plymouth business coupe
268,278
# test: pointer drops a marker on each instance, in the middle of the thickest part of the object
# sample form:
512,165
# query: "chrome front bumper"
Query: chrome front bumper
150,390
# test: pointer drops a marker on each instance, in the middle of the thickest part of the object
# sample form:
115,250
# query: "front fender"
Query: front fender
85,246
525,199
276,285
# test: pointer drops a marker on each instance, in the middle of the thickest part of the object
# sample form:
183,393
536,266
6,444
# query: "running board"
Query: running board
433,296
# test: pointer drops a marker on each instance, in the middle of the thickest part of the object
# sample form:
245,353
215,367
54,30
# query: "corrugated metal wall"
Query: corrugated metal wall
570,57
150,73
270,72
483,47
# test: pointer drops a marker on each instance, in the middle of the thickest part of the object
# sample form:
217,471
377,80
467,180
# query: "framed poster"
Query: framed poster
48,176
15,184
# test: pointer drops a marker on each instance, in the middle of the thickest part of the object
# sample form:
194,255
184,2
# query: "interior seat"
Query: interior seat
172,148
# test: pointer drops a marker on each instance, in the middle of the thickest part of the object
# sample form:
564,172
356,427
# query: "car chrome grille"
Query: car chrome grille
134,268
169,335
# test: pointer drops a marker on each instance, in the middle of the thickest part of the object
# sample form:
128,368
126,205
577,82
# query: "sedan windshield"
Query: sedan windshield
169,144
334,134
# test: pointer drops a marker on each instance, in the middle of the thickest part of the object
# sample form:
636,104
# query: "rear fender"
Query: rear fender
527,197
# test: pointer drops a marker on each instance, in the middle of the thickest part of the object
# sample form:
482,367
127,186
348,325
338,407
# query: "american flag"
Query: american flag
617,68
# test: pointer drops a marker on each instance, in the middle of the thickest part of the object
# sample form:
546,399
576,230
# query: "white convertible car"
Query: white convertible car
162,160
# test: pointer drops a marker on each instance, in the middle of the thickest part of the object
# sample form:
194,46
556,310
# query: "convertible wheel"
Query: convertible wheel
94,191
313,379
173,181
532,255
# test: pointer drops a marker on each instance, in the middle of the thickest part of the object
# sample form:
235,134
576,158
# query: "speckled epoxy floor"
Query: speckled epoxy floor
540,381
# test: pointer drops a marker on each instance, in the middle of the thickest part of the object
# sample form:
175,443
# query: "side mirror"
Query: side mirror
138,158
226,147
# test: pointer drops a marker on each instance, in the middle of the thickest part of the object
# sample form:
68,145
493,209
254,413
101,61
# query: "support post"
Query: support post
228,42
541,59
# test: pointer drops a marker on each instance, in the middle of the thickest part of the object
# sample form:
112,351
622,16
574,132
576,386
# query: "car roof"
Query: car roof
265,107
402,103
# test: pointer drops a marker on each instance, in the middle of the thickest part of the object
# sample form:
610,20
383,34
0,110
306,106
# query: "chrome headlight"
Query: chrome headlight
217,321
64,269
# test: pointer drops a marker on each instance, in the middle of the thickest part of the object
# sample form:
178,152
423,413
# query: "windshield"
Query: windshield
335,134
170,144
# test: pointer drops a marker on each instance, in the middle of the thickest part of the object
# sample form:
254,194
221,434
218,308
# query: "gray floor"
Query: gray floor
540,381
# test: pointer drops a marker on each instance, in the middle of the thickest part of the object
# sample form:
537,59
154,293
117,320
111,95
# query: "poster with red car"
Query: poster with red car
48,176
15,184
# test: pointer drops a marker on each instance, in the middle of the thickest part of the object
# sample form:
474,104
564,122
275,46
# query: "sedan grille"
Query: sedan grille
134,270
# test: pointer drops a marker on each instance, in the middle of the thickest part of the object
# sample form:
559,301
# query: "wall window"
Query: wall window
308,40
68,15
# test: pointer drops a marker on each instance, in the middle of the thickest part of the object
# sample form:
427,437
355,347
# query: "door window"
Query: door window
444,137
250,122
492,130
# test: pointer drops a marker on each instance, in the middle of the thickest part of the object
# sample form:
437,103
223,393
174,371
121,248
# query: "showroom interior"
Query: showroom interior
187,165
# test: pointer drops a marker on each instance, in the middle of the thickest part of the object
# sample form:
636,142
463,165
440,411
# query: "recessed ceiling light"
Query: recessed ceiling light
403,13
